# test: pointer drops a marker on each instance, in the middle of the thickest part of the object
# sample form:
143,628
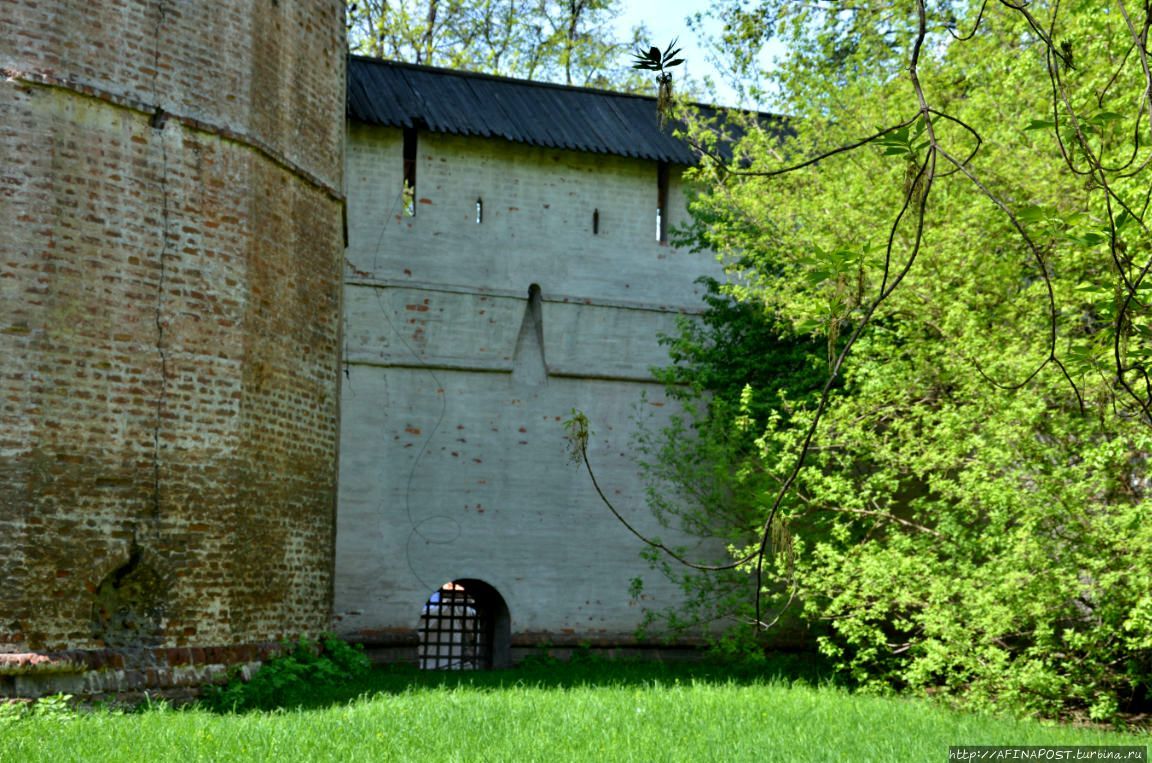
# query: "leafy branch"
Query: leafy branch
1082,139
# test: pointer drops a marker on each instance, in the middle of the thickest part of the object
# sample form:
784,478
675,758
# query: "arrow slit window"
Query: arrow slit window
409,191
662,202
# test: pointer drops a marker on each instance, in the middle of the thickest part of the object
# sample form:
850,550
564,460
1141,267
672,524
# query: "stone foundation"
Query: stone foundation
95,672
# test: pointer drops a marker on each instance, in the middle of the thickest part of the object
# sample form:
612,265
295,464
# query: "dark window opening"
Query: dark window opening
479,211
662,202
464,626
595,222
409,190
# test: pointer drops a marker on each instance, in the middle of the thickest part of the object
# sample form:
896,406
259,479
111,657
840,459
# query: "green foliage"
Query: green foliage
9,712
290,678
569,42
972,517
738,370
53,708
56,706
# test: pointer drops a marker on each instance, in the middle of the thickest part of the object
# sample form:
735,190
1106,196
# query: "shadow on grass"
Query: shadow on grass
546,673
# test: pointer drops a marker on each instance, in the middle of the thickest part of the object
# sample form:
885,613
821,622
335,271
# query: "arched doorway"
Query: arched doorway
464,625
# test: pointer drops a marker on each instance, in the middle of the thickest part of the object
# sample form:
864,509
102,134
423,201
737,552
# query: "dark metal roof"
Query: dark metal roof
536,113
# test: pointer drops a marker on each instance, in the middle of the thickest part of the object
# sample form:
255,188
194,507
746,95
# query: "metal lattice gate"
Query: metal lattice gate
454,633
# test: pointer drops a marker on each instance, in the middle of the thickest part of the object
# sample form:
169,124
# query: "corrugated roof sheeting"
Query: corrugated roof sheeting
538,114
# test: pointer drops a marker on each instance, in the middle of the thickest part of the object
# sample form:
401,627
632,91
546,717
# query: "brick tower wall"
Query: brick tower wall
170,245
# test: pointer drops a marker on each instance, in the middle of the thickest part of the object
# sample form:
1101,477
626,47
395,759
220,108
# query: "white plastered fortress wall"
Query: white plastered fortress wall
529,282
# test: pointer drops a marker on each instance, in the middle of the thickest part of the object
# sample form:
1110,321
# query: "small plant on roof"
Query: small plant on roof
660,62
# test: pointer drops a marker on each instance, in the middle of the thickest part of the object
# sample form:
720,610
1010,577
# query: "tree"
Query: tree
959,220
568,41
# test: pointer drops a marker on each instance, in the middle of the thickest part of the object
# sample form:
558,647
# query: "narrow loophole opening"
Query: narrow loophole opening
662,202
408,192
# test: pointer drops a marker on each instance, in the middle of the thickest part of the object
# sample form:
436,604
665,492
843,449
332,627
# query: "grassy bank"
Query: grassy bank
599,712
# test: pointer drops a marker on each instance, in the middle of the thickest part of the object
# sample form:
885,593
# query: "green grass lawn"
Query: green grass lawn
597,711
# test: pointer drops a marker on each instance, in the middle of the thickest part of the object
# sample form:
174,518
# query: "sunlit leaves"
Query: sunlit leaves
575,43
907,141
972,515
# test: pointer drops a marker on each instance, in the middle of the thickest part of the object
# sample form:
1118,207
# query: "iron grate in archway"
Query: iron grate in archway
453,633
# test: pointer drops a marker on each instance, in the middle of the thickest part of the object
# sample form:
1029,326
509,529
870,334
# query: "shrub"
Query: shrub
944,537
291,677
